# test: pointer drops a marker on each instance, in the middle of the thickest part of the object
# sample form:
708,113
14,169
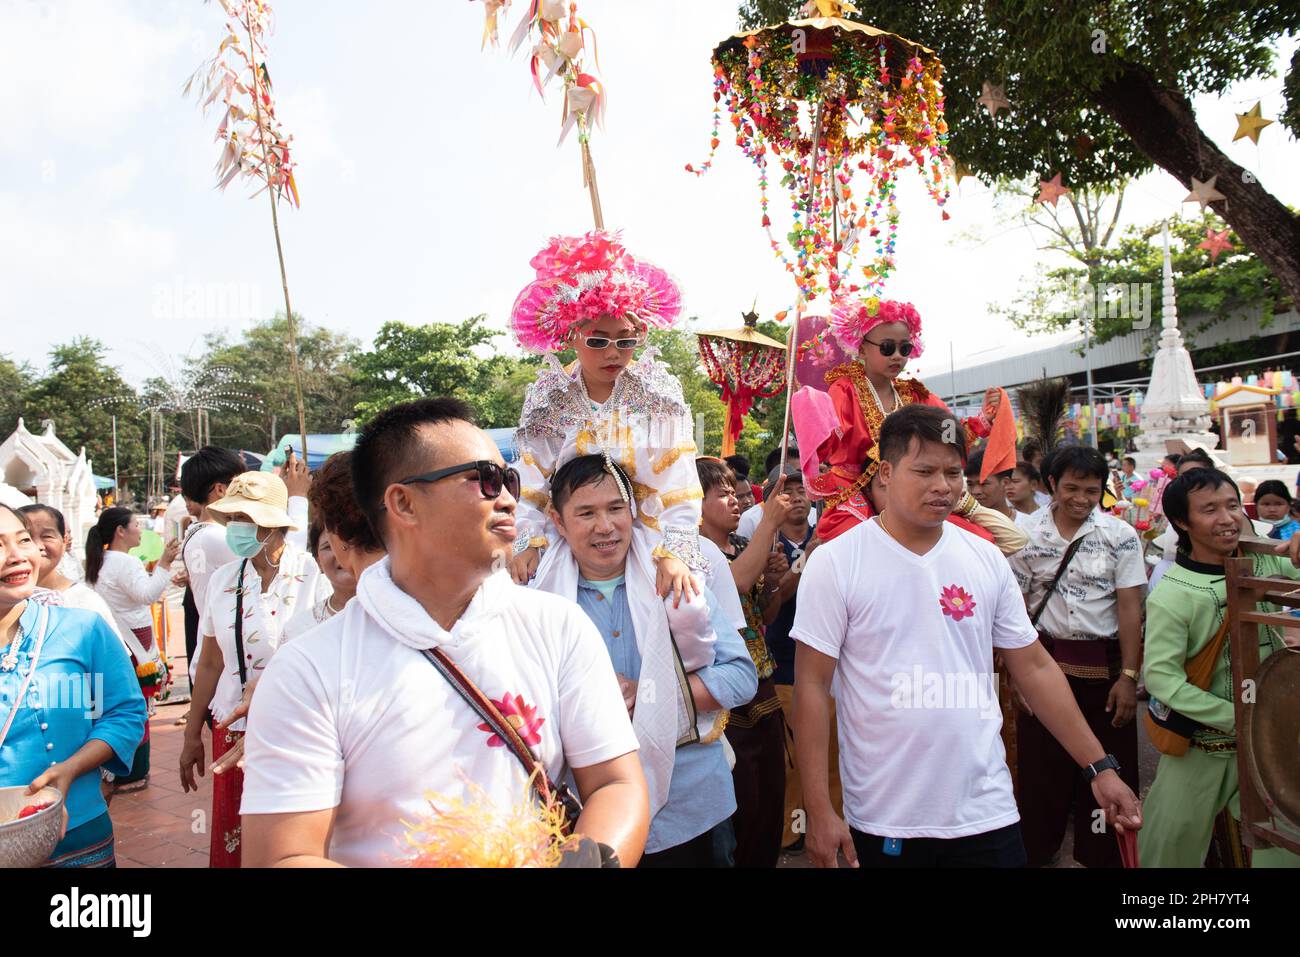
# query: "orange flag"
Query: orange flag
1000,450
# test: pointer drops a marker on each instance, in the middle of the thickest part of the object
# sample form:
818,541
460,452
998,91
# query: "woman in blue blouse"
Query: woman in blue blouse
68,698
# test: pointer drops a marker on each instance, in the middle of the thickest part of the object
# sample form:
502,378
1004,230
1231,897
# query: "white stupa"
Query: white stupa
1175,406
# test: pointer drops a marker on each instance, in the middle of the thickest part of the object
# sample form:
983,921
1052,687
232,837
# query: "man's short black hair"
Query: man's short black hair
389,449
714,472
738,464
1079,459
1174,502
207,467
975,462
1199,456
925,423
582,471
774,458
1031,447
1129,460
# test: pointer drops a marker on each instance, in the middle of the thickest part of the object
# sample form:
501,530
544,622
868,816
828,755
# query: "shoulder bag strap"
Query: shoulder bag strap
239,625
1060,570
494,719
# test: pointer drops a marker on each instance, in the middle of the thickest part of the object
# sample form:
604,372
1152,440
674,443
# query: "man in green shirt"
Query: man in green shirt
1184,612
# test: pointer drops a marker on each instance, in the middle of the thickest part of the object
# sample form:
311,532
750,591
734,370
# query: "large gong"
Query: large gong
1275,733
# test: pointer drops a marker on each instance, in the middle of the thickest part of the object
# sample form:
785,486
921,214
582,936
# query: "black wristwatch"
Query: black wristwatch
1109,762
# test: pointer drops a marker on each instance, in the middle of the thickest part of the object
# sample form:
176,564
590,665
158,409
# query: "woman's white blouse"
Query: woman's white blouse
285,610
129,590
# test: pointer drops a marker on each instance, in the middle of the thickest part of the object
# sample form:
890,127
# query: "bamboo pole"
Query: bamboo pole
279,248
792,347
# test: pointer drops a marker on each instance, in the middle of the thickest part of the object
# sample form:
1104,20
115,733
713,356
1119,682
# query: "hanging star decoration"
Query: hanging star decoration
993,98
1215,243
1204,192
1050,190
1250,123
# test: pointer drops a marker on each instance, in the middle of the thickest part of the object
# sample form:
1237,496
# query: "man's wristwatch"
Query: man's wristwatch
1130,673
1109,762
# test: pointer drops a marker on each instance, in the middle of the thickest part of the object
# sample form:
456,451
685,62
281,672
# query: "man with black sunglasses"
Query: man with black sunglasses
354,726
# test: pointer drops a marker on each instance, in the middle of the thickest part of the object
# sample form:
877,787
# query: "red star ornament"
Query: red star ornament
1215,243
1050,190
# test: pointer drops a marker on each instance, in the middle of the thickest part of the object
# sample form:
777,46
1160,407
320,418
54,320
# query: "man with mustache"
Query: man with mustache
353,727
911,658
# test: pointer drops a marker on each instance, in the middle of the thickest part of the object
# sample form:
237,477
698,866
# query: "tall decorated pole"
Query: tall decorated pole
255,147
841,107
559,50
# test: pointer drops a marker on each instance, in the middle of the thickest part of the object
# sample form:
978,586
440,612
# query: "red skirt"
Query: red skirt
227,790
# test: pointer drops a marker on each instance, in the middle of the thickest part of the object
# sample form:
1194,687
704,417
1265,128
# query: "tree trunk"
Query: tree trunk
1163,126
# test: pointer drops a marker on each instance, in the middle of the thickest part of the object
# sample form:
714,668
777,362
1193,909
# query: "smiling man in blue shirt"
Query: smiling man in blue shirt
606,565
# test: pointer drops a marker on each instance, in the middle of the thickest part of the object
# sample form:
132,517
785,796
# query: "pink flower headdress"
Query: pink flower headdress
586,277
853,319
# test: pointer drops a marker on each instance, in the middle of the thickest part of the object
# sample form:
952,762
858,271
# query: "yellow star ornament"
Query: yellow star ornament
1250,123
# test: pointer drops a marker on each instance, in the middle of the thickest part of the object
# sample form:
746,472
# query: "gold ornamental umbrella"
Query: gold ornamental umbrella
747,365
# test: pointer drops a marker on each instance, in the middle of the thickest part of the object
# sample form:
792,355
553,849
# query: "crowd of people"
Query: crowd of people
908,642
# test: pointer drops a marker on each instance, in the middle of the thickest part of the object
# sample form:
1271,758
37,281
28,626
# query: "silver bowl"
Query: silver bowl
29,841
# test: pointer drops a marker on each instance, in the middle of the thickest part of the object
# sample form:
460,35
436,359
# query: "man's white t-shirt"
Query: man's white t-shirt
353,716
916,698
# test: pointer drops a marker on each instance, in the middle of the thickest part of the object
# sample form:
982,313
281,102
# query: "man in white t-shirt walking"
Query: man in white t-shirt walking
899,618
353,728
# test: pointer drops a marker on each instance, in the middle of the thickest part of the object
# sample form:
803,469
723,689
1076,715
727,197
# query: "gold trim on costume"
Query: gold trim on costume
527,458
539,500
669,458
677,496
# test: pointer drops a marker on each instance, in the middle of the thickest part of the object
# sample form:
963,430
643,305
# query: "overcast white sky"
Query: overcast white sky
429,176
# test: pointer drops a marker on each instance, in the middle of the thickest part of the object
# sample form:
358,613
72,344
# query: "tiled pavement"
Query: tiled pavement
159,826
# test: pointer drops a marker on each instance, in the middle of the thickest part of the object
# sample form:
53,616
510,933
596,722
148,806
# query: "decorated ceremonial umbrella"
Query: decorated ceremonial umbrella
828,100
747,365
831,101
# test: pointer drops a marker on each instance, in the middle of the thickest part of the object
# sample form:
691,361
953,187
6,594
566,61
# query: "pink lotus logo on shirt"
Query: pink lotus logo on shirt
522,717
957,603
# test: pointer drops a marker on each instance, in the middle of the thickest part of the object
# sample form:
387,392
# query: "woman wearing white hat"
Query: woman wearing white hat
253,604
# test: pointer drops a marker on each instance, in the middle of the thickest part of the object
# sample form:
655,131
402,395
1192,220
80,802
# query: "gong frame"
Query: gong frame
1262,823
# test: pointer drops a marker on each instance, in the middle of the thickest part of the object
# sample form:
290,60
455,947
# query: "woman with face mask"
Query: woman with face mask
129,591
253,604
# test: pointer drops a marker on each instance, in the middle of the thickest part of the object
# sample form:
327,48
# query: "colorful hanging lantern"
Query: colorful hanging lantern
838,108
747,365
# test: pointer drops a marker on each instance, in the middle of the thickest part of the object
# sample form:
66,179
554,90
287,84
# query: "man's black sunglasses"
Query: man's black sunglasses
492,478
889,345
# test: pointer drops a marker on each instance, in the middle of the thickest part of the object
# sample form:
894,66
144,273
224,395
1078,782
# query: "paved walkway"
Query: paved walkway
162,826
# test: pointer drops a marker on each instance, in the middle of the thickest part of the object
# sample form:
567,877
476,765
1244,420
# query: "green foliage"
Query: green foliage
15,380
1204,287
439,359
262,361
1052,58
75,393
